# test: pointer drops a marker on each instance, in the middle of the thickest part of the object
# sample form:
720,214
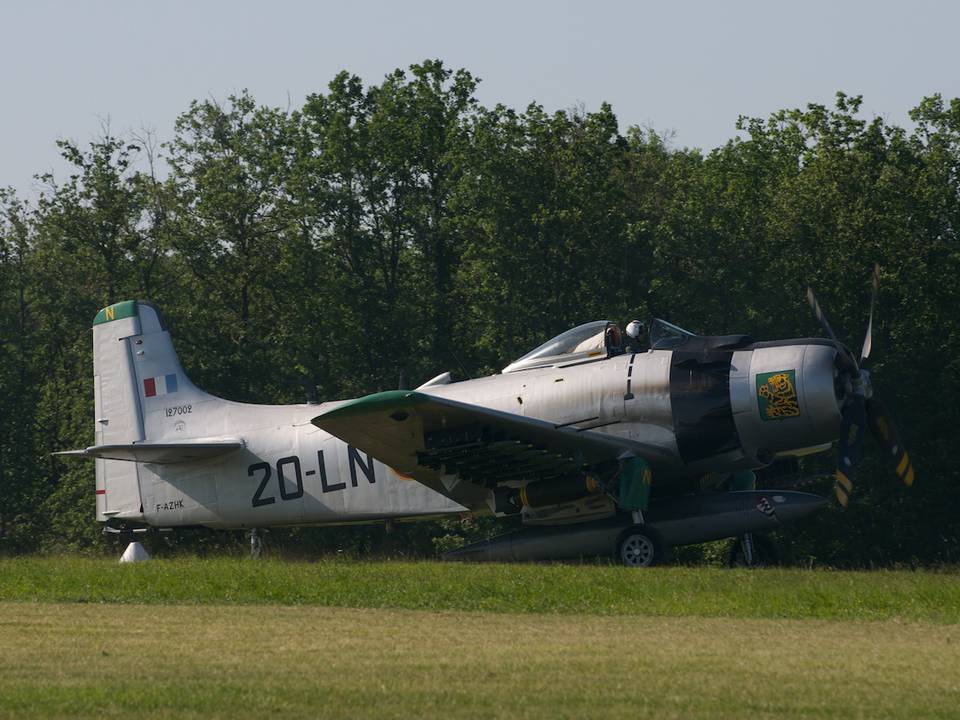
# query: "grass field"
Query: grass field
520,588
240,639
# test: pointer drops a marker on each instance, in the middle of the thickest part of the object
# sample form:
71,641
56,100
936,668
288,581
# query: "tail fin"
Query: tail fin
137,381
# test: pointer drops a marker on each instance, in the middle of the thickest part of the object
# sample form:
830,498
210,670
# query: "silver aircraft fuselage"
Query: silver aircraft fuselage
290,472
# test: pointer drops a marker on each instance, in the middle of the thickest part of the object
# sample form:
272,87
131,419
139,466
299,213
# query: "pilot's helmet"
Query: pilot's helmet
636,330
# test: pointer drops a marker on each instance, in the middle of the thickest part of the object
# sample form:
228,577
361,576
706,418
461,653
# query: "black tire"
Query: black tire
639,546
764,553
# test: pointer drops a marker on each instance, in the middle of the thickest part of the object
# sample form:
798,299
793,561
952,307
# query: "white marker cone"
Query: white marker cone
135,552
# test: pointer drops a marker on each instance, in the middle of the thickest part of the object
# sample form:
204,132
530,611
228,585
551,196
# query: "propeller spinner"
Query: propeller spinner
860,409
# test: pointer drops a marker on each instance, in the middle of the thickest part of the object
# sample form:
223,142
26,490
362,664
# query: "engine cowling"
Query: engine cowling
784,397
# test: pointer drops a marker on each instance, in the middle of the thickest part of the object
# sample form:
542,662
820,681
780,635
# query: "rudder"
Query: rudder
118,416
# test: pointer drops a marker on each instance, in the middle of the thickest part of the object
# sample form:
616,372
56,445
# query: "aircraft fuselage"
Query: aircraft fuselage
702,410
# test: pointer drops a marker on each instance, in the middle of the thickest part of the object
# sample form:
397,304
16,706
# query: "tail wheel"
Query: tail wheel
639,546
764,553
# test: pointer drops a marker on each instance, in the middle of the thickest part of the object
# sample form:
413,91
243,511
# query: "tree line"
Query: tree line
404,229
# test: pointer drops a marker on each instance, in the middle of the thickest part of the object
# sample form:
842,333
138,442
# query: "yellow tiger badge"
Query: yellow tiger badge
777,395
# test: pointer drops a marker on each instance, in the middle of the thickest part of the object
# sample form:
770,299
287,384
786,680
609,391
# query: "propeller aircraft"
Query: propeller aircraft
603,442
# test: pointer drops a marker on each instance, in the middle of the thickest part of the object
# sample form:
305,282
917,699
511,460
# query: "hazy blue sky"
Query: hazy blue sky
687,67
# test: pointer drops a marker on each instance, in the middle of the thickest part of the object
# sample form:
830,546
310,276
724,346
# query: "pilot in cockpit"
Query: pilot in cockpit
613,340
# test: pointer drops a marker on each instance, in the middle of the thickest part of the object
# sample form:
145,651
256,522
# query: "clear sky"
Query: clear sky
686,67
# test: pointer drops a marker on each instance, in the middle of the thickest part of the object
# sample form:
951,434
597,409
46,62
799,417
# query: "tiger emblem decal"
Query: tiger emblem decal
777,395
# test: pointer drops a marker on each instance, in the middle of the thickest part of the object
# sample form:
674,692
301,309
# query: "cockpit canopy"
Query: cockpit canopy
582,342
588,341
664,335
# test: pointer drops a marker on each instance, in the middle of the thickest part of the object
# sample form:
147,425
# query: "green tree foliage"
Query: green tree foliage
404,227
545,225
17,439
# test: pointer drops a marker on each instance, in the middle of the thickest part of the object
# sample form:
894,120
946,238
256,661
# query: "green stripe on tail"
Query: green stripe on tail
117,311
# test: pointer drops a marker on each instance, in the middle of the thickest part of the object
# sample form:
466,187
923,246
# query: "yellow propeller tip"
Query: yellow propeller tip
908,480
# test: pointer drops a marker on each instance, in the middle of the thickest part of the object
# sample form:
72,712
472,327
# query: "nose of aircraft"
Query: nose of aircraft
784,397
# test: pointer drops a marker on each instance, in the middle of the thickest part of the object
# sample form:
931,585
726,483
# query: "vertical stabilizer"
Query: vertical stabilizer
142,395
172,407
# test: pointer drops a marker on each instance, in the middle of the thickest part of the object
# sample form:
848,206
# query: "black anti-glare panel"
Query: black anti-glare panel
700,395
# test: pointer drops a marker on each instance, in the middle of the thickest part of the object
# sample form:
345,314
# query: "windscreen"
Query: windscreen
664,335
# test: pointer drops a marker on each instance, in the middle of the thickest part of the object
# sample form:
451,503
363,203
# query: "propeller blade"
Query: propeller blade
868,338
812,299
889,438
844,356
850,448
843,487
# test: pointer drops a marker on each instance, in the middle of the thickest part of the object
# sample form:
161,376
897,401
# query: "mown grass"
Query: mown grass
558,589
174,661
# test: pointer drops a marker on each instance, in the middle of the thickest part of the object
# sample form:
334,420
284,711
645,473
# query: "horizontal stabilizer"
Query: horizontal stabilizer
159,453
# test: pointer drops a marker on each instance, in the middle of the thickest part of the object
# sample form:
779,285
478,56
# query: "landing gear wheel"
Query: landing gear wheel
764,553
639,546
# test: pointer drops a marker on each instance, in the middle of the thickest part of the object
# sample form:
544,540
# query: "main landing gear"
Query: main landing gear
256,543
640,546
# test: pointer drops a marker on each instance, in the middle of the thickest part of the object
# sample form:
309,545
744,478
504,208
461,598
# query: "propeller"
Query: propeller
860,409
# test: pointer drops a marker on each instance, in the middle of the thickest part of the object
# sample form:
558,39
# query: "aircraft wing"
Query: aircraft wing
432,438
